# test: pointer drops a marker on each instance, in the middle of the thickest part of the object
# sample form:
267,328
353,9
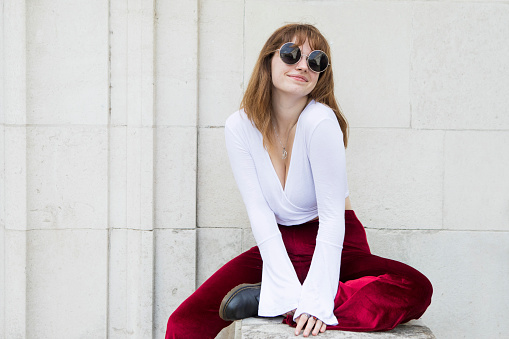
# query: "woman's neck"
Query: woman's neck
287,110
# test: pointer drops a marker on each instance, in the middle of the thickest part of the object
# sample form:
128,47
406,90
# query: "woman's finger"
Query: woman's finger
318,327
324,326
301,321
309,327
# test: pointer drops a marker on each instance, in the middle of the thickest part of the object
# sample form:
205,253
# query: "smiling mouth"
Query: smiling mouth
298,78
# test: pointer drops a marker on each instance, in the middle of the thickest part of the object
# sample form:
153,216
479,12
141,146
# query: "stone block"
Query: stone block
118,181
395,177
261,328
459,65
468,278
175,273
130,284
67,171
2,274
175,177
14,292
67,62
370,43
219,200
2,176
67,275
248,239
132,62
227,332
13,69
131,186
216,246
476,181
176,66
221,29
140,177
15,193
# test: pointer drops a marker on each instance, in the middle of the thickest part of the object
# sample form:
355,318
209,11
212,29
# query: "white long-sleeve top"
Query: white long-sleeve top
316,185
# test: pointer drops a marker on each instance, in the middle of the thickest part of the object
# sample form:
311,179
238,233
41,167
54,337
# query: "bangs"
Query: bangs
303,33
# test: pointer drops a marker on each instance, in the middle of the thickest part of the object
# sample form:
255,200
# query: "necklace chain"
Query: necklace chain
285,153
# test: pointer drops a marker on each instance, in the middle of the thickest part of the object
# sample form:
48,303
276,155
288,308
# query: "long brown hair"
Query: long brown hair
257,100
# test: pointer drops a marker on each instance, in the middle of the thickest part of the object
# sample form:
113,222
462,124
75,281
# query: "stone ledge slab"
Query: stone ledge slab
272,328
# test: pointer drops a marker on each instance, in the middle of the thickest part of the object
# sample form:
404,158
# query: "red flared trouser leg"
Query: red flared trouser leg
198,316
375,293
387,294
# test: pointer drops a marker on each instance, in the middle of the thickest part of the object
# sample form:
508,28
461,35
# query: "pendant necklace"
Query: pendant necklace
285,153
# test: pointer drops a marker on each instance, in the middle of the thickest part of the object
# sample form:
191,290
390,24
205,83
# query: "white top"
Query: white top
316,185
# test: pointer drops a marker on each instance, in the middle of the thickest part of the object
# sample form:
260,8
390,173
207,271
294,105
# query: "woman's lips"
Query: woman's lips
298,77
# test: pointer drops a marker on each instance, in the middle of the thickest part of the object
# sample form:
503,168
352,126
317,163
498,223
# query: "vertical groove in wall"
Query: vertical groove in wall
2,184
198,5
154,154
443,177
410,64
108,253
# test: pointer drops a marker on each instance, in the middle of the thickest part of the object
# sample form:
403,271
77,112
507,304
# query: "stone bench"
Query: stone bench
272,328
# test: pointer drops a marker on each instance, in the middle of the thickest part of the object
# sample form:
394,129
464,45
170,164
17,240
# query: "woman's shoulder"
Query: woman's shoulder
238,120
315,113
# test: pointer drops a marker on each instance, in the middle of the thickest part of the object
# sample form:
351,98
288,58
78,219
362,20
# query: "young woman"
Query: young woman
287,151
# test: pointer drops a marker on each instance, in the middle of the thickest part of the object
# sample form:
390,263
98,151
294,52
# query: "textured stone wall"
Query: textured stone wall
116,194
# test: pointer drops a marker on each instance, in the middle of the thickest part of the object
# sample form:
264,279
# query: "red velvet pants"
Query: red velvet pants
374,293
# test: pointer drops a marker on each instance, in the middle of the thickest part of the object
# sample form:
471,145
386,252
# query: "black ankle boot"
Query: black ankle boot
241,302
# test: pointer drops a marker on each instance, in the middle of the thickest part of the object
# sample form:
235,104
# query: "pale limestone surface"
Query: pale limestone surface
476,180
219,201
130,283
221,59
13,46
132,45
15,169
2,276
66,275
395,177
459,65
248,239
272,328
67,177
2,224
174,273
175,177
215,248
176,57
67,62
464,269
15,287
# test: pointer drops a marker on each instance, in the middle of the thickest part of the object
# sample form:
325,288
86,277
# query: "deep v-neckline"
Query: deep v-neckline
281,186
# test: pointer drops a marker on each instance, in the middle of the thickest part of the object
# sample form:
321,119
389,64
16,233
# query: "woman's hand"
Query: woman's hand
313,324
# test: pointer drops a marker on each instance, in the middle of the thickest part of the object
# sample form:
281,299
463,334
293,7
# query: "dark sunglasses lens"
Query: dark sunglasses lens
318,61
289,53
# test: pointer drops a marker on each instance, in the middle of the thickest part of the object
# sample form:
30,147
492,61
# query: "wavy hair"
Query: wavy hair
257,100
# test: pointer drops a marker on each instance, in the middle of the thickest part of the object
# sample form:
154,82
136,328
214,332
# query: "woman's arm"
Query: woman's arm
327,158
281,288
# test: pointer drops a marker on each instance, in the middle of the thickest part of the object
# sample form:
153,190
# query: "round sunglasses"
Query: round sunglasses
291,54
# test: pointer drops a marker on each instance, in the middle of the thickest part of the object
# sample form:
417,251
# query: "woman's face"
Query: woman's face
296,80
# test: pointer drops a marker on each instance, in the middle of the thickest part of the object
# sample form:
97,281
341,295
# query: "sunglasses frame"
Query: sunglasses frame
306,55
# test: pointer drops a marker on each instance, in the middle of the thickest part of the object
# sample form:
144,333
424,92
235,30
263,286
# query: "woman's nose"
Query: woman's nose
302,64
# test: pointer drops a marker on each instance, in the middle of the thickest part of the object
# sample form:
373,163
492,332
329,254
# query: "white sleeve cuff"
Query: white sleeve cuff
281,288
